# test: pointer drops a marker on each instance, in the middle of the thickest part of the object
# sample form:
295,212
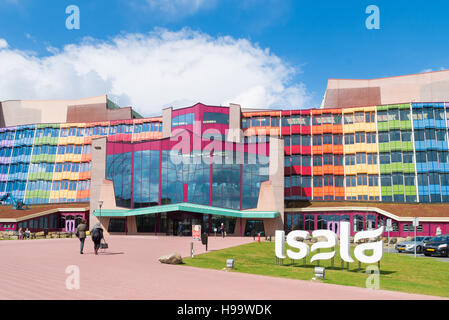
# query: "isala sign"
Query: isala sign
303,249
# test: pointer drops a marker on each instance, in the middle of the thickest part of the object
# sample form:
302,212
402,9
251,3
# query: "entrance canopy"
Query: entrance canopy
188,207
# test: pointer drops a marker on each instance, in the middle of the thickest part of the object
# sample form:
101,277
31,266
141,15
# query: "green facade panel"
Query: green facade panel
385,168
387,191
384,147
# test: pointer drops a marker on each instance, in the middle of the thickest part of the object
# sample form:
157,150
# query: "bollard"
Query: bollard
270,238
304,262
342,265
258,237
347,266
191,249
360,266
332,262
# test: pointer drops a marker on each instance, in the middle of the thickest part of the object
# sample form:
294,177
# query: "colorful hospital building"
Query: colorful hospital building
374,150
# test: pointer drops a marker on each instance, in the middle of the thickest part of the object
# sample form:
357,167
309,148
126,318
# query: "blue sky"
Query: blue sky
314,40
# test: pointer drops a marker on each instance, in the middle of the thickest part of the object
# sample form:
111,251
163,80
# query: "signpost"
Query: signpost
415,225
196,232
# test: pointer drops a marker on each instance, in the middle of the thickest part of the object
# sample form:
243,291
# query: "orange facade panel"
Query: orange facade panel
339,170
317,149
317,171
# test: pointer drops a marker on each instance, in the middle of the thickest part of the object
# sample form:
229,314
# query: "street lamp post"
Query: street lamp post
100,204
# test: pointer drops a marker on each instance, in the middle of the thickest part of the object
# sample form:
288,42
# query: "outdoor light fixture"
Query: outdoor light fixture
320,272
230,263
100,204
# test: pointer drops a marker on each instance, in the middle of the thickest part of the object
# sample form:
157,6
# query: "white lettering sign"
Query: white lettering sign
303,249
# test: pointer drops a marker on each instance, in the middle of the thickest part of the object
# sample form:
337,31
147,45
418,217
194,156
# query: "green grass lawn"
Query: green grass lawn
398,272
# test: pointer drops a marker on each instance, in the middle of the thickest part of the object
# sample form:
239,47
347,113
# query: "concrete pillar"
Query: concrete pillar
166,122
235,130
98,174
276,173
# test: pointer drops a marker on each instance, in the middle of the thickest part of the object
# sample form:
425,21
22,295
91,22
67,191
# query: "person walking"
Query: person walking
20,234
81,234
96,234
222,230
27,233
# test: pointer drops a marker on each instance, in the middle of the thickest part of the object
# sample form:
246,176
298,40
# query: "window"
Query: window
385,180
328,181
328,159
349,139
305,141
309,222
421,157
430,134
362,180
384,158
350,159
361,158
419,135
407,157
322,222
372,158
327,139
317,160
404,115
317,140
371,137
428,113
316,120
360,137
351,181
369,116
441,135
373,180
338,139
443,157
357,223
317,181
338,160
382,116
406,135
306,161
359,117
398,179
396,157
336,118
395,135
183,120
349,118
409,179
384,137
339,181
116,225
254,227
393,114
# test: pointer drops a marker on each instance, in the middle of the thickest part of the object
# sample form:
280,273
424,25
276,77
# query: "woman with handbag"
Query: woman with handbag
81,234
96,234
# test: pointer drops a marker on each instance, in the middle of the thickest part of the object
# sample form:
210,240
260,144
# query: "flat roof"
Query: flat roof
401,211
9,214
189,207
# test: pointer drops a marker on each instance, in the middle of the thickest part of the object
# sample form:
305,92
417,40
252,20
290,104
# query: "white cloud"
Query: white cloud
154,70
180,7
3,43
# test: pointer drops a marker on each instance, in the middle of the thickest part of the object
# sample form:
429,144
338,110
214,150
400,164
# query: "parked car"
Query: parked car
409,246
438,245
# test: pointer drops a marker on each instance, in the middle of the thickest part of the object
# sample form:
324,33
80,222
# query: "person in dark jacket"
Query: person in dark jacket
81,234
96,234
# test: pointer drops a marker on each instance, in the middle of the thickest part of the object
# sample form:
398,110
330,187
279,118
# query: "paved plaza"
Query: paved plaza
35,269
